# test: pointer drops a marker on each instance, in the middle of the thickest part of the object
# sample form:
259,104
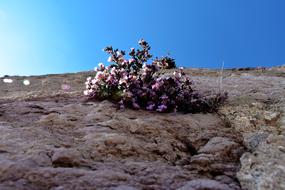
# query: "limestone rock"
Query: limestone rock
204,184
51,137
265,167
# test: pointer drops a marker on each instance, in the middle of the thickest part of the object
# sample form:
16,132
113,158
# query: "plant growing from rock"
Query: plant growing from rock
165,63
134,83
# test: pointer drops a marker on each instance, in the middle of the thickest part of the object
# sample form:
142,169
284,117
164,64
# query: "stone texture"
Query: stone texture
204,184
52,138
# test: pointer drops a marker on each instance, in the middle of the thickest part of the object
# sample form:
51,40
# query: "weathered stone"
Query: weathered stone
265,167
123,187
52,138
222,146
63,157
204,184
252,140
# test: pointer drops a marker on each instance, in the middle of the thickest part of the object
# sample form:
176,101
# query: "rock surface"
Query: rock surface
52,138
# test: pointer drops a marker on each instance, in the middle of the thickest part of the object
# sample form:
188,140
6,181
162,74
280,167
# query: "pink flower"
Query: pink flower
155,86
94,81
101,65
113,71
177,74
125,77
99,75
132,77
110,79
122,81
132,60
86,92
125,62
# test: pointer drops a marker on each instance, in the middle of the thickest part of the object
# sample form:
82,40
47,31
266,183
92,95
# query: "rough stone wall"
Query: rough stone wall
52,138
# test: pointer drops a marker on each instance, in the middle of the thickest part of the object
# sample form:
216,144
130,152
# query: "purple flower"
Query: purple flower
161,108
110,79
150,107
132,60
164,97
99,75
139,84
155,86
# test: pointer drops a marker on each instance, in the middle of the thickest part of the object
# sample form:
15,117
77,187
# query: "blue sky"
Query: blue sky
58,36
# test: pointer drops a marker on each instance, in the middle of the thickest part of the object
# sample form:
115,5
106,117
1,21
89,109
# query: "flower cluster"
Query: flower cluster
133,83
165,63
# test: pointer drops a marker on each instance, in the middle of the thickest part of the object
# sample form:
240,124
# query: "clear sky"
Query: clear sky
57,36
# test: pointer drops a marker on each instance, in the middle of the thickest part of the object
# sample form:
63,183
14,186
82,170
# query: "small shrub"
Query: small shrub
165,63
134,83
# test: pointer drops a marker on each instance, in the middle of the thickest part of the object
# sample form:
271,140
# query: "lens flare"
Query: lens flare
7,80
26,82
